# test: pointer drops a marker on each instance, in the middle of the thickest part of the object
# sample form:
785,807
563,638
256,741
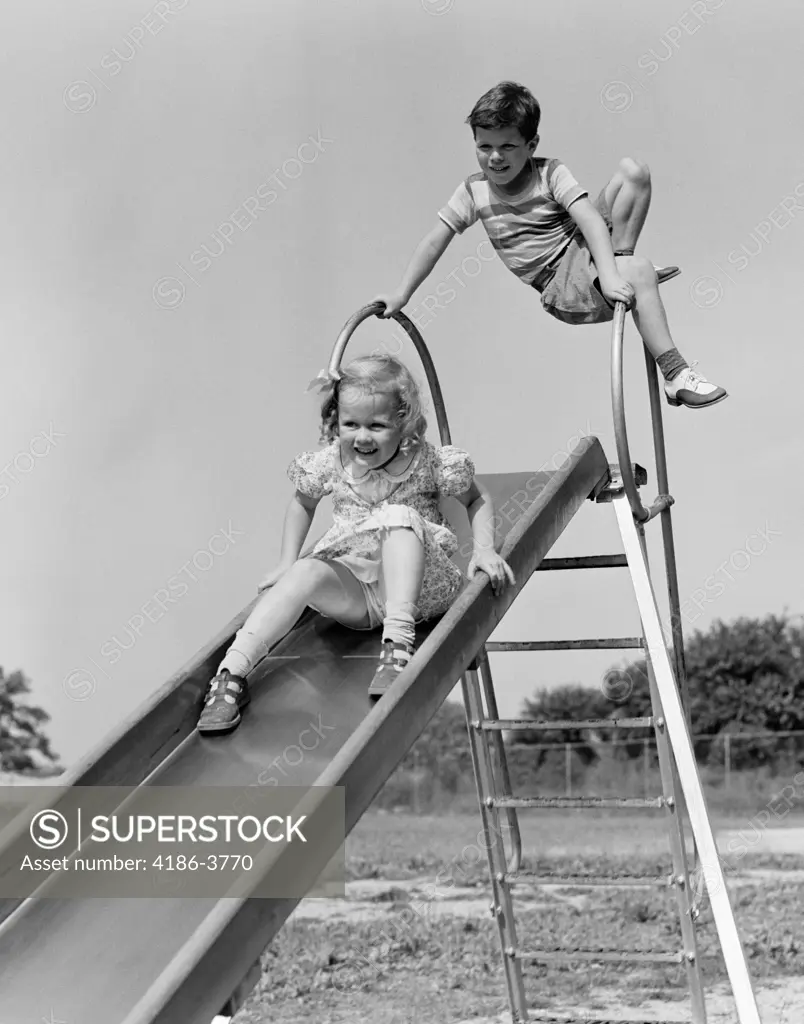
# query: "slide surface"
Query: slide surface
139,961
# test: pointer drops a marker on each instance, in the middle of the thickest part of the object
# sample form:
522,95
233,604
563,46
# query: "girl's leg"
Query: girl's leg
328,586
402,556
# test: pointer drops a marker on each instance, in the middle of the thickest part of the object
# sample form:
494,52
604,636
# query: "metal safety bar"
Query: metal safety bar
375,309
663,502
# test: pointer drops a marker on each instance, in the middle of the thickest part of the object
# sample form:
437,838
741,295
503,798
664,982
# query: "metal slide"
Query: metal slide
178,961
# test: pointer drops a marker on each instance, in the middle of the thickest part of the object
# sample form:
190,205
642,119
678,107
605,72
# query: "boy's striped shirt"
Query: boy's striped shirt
529,231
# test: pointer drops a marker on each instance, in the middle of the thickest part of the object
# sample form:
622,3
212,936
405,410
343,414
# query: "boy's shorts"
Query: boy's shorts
571,294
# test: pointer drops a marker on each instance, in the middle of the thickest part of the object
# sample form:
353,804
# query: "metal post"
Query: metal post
671,573
567,770
515,860
416,807
675,730
727,759
646,766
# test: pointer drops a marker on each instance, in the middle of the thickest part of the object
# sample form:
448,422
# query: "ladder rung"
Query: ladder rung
575,801
583,562
615,643
581,881
604,955
570,1018
526,724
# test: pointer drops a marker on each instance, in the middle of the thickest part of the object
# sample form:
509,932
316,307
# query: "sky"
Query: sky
195,198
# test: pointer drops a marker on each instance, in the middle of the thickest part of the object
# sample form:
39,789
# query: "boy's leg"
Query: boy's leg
628,198
682,384
332,589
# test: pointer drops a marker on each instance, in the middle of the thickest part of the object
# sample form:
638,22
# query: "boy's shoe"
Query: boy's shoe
666,273
692,390
394,658
227,694
662,273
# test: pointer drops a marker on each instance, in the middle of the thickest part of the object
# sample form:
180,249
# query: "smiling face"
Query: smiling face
504,155
369,427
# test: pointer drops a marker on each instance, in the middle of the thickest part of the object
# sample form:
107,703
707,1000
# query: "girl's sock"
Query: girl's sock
671,363
246,650
399,623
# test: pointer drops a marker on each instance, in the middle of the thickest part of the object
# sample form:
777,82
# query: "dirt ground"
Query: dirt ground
413,983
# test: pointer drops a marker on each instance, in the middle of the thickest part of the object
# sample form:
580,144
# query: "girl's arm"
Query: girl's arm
480,509
298,520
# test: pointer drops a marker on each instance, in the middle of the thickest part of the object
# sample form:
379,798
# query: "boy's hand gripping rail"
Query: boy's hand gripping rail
663,501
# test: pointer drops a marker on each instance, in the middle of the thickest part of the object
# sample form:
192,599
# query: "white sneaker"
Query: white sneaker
692,390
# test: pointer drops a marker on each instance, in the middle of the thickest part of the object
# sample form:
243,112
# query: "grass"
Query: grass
412,964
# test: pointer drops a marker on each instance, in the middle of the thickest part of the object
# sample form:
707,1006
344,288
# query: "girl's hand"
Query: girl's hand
496,568
272,578
617,289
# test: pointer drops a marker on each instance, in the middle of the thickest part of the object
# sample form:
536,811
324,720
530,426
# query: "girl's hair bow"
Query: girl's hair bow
323,382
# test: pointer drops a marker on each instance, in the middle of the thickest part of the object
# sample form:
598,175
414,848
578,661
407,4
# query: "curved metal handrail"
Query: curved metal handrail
374,309
641,514
333,370
663,501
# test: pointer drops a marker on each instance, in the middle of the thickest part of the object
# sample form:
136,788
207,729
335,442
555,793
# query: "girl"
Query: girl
386,559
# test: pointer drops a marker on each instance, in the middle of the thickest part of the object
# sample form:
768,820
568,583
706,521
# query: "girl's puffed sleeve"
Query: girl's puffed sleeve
311,473
453,470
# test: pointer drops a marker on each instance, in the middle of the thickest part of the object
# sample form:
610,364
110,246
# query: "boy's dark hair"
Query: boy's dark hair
505,105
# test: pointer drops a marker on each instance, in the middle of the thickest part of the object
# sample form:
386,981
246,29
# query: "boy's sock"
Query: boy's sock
399,623
671,363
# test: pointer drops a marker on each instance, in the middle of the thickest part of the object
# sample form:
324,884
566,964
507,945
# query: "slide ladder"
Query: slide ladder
681,784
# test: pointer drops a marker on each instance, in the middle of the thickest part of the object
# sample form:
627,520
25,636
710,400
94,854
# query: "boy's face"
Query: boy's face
503,154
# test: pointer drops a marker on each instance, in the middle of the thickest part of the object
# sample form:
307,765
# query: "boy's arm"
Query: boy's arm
594,230
428,252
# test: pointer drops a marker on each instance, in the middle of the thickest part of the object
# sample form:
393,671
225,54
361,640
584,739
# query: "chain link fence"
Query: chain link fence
738,770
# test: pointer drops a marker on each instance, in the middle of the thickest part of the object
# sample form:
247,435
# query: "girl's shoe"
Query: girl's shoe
227,694
692,390
394,658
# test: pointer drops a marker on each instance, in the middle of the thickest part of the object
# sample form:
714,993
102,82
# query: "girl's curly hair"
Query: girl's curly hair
375,375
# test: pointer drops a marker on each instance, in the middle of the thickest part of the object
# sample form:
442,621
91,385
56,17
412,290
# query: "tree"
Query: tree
744,676
572,702
23,745
442,750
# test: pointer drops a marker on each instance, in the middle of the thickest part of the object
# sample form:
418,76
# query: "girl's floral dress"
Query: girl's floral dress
364,507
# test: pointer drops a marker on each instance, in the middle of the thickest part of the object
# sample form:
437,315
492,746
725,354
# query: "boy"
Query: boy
578,255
